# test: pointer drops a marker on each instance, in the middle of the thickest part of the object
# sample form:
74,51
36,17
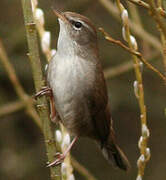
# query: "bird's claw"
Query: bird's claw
44,91
59,160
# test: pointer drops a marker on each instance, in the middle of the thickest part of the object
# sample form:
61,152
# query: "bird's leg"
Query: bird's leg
61,157
54,115
48,91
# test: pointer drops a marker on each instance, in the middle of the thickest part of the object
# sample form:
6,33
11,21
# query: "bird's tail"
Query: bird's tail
115,155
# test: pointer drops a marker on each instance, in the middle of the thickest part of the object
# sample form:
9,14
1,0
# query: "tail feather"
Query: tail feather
115,156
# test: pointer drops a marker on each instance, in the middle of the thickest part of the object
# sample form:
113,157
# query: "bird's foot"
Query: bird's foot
59,159
44,91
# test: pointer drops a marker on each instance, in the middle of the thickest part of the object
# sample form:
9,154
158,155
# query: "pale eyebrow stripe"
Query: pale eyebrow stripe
84,24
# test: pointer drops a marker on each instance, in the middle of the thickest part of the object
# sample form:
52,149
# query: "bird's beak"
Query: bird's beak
60,15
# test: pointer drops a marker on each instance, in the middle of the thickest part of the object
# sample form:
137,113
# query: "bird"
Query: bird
79,91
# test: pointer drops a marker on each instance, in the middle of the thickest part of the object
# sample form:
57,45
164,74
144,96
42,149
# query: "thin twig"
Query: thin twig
141,33
136,53
11,107
162,36
28,102
136,17
161,26
82,170
11,72
145,5
163,40
159,3
138,89
125,67
38,81
141,3
157,17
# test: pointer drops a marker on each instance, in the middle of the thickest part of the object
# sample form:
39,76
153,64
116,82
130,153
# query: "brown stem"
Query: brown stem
11,72
82,170
157,17
145,5
11,107
136,53
125,67
139,90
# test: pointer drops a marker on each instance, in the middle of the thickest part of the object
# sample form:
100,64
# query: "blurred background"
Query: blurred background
22,150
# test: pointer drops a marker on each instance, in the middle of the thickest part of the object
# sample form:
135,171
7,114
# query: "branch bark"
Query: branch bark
38,81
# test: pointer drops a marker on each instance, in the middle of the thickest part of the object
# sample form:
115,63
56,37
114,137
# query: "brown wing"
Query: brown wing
100,112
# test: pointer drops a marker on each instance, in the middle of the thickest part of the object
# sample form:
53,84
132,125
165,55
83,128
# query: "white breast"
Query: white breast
69,82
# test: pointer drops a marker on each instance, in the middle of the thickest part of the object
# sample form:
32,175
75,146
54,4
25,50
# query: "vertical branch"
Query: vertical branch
45,38
139,92
157,17
161,25
146,6
159,3
38,81
137,19
163,41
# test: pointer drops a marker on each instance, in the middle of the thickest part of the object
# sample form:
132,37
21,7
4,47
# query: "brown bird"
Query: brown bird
76,79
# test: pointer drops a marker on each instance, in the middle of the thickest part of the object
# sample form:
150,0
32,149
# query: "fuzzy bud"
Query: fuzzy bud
145,131
46,67
53,52
58,136
66,141
141,66
140,142
133,42
45,41
141,116
124,33
39,15
140,160
34,4
124,16
63,168
148,154
71,177
139,177
136,89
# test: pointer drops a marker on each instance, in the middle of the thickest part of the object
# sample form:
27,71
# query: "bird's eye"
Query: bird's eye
78,25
